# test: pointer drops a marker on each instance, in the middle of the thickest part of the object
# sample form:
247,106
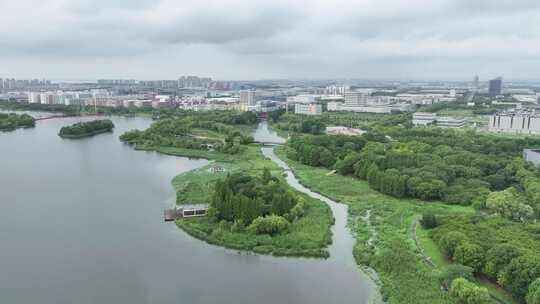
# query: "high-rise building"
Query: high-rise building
247,98
495,87
476,82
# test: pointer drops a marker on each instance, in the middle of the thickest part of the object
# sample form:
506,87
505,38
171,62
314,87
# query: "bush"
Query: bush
271,225
455,271
468,293
429,220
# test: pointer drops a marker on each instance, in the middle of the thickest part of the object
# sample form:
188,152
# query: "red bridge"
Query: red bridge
64,116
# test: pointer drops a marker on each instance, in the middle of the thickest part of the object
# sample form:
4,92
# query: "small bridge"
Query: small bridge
269,143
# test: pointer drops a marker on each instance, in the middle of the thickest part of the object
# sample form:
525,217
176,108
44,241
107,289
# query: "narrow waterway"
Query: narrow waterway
81,222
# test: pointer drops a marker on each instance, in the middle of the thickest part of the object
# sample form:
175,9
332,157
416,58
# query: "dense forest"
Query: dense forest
263,204
456,167
178,131
83,129
505,251
433,164
13,121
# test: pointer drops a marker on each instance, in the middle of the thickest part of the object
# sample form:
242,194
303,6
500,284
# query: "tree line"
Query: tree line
13,121
433,164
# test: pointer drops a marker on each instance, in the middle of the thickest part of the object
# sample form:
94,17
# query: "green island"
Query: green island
251,205
12,121
474,197
86,129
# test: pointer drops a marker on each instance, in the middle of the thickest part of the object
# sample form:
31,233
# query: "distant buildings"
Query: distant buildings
495,87
523,122
343,131
362,101
194,82
425,119
308,109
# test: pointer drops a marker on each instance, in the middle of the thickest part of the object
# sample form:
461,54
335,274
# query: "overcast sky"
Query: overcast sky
259,39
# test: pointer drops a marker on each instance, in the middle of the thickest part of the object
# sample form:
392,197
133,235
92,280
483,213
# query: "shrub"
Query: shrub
455,271
468,293
271,225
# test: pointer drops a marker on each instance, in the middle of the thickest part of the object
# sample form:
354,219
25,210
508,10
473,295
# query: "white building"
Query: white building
450,122
34,97
46,98
336,90
354,99
515,122
423,119
247,97
308,109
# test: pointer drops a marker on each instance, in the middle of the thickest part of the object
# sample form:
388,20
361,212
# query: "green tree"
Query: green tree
266,176
508,204
520,273
469,254
498,257
450,241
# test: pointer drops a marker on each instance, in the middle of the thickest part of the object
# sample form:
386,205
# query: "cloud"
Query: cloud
265,38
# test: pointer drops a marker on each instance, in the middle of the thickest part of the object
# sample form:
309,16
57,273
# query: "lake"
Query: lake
81,221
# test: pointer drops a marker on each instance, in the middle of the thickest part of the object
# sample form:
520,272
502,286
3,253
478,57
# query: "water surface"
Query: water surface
81,222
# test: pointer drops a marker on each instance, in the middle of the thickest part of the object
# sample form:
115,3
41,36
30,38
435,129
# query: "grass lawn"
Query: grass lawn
309,236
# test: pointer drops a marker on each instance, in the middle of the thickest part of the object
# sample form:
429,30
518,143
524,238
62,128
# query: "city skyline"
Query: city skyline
239,40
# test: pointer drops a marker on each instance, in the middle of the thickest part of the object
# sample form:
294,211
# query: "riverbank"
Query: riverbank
383,241
309,236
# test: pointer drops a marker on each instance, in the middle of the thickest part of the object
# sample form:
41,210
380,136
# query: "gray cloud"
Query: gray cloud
258,39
